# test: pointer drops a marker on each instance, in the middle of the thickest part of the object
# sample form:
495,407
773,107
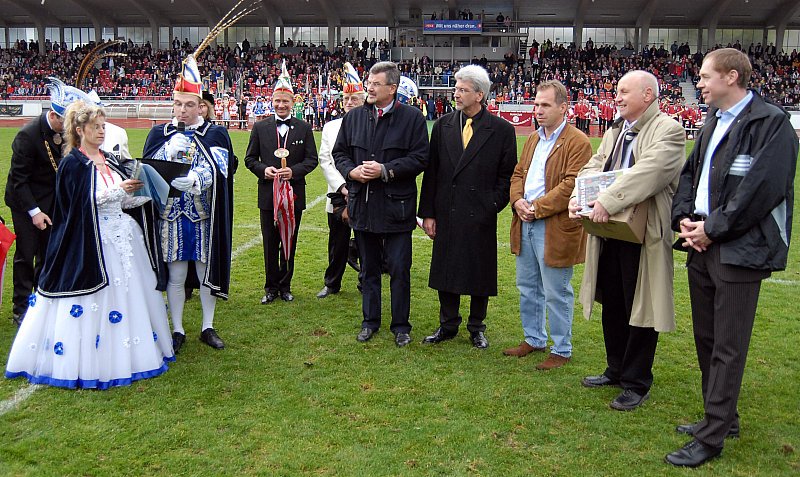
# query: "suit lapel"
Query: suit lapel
451,132
480,135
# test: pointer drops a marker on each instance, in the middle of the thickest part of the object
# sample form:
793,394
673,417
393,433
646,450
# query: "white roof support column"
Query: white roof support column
779,18
151,19
273,19
643,21
98,20
710,21
334,21
577,27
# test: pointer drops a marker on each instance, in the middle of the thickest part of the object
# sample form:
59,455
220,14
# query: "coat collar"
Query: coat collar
566,134
482,130
201,130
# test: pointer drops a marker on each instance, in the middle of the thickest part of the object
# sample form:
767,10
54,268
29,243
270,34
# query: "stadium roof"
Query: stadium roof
619,13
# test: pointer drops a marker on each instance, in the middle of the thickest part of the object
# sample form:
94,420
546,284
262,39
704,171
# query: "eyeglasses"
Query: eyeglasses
371,84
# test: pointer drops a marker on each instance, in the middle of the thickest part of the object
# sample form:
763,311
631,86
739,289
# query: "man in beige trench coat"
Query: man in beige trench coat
633,281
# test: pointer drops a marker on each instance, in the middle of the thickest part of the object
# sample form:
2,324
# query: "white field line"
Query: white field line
24,393
19,397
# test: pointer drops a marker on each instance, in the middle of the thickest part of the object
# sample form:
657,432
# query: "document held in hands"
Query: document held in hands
590,186
156,176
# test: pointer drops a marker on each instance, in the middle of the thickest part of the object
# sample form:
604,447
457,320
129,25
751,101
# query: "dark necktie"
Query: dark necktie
282,122
626,138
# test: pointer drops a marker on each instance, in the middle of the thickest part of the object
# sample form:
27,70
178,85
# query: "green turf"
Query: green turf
295,394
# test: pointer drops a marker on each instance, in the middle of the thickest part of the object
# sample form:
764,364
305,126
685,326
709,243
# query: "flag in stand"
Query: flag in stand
6,239
283,208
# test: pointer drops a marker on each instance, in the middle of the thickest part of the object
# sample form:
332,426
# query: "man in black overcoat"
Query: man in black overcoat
466,184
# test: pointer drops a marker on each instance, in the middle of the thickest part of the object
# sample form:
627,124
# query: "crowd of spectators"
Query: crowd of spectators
590,71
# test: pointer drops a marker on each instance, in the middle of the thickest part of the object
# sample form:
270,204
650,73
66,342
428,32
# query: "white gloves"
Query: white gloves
183,184
178,143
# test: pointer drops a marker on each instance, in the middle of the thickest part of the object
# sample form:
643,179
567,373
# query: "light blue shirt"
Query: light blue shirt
724,121
534,182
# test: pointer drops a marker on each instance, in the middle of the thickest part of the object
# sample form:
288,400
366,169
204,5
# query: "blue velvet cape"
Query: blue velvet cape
73,263
218,271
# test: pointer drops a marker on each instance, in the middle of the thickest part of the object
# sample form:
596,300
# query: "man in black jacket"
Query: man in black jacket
381,148
276,137
30,193
733,209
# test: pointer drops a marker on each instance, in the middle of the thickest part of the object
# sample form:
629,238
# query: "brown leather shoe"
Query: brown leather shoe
524,349
553,361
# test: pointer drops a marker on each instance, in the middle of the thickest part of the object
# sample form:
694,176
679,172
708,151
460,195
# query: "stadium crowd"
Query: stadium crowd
591,71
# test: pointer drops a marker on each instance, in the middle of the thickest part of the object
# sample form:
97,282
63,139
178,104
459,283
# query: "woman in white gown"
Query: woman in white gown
96,320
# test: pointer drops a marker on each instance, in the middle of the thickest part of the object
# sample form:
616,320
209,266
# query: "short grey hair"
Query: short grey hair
645,79
388,67
477,76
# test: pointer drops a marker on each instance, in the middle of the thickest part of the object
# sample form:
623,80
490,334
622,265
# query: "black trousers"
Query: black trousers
28,258
278,270
396,248
630,350
338,249
450,318
723,313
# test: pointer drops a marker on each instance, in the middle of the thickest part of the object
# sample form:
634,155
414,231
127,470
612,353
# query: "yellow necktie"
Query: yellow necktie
466,134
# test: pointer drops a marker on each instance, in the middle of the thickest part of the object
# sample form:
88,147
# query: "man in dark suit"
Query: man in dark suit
271,138
30,191
733,209
381,148
465,186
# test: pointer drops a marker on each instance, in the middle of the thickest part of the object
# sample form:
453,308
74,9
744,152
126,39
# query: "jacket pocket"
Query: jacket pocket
400,207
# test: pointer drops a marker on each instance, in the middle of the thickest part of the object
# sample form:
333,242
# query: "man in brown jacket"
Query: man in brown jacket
547,243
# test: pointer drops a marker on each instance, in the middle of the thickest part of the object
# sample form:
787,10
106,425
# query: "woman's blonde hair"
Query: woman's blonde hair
78,115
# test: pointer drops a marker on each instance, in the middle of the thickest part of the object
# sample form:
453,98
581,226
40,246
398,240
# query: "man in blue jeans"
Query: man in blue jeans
546,241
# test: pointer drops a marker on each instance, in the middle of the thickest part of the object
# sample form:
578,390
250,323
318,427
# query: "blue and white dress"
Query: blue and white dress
111,337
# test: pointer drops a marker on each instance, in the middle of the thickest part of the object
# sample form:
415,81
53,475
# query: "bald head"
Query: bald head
636,91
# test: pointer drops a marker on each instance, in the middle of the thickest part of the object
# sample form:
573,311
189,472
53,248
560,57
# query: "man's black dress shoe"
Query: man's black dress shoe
326,291
733,433
599,381
438,336
177,341
401,339
628,400
17,318
693,454
268,298
287,296
365,334
479,340
210,337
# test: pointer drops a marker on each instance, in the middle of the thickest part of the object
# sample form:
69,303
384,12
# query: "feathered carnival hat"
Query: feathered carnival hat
62,95
284,82
407,89
352,83
190,81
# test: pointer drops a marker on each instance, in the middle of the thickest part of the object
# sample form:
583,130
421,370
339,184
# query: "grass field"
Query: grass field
295,394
